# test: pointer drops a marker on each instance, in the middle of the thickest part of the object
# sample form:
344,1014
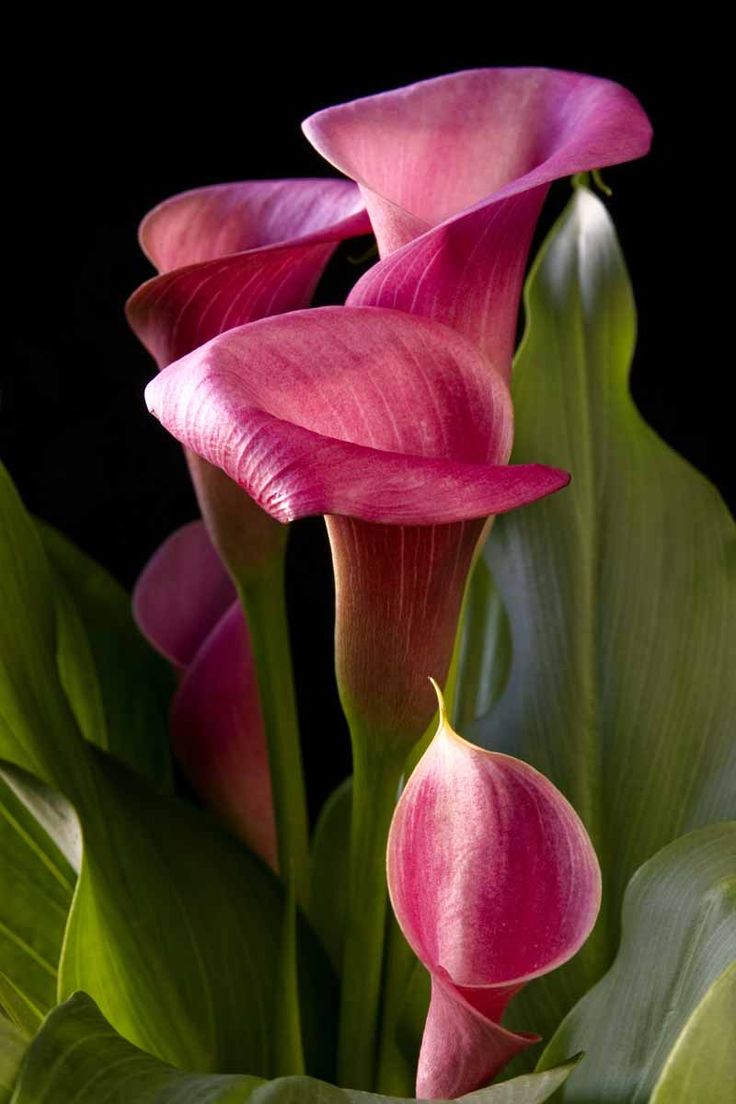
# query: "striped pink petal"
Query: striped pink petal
181,594
236,252
454,171
227,255
362,412
218,738
494,881
370,416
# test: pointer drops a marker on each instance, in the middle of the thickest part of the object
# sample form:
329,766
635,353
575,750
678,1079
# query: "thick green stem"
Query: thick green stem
264,601
377,772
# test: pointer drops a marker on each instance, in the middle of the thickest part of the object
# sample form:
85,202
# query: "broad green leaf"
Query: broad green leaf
77,1055
485,649
704,1054
13,1045
175,927
118,687
38,883
678,940
176,931
327,900
620,595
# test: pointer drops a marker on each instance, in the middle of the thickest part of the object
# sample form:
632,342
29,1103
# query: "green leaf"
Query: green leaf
13,1045
118,687
328,886
176,932
704,1054
485,649
78,1056
34,904
620,594
175,927
37,729
653,1012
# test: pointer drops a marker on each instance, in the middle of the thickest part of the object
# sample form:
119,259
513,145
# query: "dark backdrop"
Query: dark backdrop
103,127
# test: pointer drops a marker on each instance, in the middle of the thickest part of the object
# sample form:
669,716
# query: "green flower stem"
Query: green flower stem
264,600
377,774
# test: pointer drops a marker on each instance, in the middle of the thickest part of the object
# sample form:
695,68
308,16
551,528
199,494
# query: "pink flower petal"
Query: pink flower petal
364,412
217,734
230,254
454,171
494,881
181,594
237,252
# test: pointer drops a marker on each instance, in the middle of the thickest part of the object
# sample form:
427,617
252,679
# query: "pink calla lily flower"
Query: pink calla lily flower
454,172
494,881
185,605
227,255
370,416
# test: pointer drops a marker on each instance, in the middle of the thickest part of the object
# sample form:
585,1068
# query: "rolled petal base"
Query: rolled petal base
461,1047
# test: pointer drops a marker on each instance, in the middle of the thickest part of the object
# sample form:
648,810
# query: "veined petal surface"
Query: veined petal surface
454,171
357,411
494,881
236,252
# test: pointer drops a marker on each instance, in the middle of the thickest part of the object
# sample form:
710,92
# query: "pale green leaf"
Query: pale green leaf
118,686
38,883
620,595
678,939
704,1055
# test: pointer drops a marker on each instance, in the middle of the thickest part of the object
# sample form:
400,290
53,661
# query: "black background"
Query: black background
107,120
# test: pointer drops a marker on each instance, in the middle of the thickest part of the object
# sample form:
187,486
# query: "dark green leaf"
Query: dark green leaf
327,904
78,1056
653,1012
620,593
13,1045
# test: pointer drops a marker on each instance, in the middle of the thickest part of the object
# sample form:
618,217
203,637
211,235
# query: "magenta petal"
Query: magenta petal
462,1049
237,252
217,735
463,235
358,411
494,881
181,594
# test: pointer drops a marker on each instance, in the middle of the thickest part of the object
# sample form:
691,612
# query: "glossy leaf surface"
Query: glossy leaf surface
620,595
678,940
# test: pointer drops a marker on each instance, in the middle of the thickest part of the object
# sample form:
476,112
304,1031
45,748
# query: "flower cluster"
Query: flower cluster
391,416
